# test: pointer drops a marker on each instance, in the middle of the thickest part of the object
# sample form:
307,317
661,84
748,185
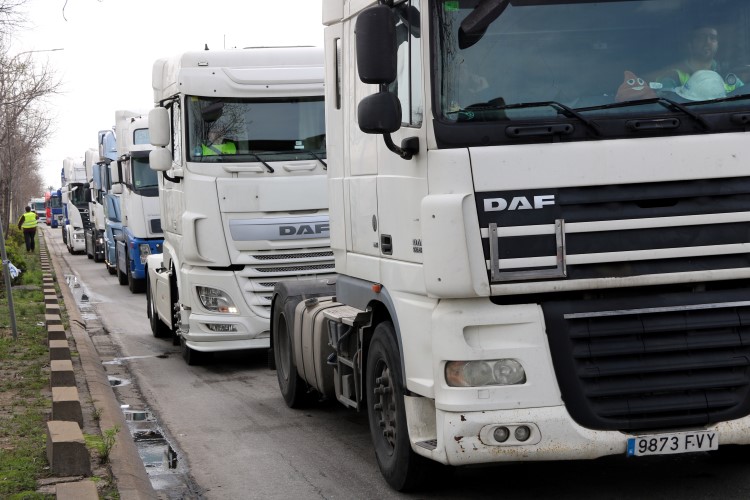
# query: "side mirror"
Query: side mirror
116,188
160,159
379,113
376,45
158,127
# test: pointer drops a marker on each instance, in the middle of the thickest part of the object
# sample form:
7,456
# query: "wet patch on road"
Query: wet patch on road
168,475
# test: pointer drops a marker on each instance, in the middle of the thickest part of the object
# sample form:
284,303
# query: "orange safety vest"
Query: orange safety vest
29,220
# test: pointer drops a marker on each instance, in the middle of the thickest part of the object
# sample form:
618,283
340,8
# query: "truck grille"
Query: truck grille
259,278
621,231
683,362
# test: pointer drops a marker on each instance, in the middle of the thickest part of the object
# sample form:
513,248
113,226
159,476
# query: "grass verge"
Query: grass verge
24,379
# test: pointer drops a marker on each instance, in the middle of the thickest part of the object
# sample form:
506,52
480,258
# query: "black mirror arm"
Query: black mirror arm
409,146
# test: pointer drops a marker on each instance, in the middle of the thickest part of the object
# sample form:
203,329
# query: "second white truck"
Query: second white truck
240,138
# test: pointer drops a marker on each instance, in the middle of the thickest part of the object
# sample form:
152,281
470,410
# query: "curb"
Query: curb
63,448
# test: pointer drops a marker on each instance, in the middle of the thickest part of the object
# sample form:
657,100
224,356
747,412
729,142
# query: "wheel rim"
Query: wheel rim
384,403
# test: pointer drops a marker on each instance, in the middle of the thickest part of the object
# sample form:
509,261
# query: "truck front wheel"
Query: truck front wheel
158,328
403,469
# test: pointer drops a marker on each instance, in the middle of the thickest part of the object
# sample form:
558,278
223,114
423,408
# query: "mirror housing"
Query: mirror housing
159,127
117,188
376,45
160,159
379,113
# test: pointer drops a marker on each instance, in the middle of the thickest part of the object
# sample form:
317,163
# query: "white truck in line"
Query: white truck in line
75,197
110,201
545,255
243,213
136,184
96,176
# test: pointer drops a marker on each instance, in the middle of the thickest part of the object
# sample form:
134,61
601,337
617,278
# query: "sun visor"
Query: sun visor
275,76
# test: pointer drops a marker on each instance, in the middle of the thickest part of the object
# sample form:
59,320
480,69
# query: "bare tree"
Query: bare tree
24,126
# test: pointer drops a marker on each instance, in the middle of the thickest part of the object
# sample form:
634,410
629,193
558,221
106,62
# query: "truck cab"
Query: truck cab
76,197
540,222
94,233
110,201
240,147
136,185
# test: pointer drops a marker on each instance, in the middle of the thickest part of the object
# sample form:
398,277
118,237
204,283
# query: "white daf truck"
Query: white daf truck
240,138
541,241
75,197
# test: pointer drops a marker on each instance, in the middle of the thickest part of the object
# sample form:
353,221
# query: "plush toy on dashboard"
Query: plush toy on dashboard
634,88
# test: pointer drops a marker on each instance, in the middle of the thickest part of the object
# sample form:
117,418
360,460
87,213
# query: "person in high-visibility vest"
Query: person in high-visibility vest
702,46
27,223
216,145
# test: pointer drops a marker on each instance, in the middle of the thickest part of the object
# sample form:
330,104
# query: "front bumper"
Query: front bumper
463,437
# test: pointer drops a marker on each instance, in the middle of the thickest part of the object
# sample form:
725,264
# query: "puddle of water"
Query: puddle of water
138,415
118,361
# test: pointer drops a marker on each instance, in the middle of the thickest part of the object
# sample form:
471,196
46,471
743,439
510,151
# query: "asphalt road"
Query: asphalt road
234,437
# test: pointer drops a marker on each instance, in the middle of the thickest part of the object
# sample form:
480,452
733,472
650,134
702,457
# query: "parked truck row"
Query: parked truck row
458,219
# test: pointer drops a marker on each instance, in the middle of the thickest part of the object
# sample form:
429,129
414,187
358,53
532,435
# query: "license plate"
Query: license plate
677,442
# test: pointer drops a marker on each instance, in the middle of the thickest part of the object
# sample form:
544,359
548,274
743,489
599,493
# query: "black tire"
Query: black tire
158,328
112,270
135,285
122,278
292,387
191,356
98,254
403,469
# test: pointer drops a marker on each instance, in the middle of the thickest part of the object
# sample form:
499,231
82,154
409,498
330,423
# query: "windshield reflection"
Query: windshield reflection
258,130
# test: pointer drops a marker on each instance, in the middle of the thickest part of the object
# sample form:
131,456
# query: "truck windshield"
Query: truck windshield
80,195
544,60
145,180
252,130
55,202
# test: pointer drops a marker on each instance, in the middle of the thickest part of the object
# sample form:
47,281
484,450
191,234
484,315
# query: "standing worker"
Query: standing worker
28,222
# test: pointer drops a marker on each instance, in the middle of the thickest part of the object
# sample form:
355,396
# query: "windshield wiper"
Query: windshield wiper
315,155
663,101
295,151
567,110
269,167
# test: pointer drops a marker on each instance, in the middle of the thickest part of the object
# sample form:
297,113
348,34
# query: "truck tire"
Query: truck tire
293,388
158,328
135,285
403,469
122,278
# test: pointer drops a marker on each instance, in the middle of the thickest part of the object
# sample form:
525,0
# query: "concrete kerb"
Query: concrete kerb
127,467
78,490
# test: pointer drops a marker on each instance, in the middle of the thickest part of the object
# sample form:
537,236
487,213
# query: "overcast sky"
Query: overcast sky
110,46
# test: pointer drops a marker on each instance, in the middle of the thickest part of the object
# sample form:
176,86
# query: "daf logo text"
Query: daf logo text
518,203
303,229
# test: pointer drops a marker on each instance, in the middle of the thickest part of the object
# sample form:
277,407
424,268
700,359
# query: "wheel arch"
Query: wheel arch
360,294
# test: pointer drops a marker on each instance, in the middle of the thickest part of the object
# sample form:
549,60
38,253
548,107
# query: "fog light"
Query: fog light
222,327
215,300
484,372
501,434
522,433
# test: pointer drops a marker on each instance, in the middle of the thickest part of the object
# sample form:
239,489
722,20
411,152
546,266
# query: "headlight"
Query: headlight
215,300
484,372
